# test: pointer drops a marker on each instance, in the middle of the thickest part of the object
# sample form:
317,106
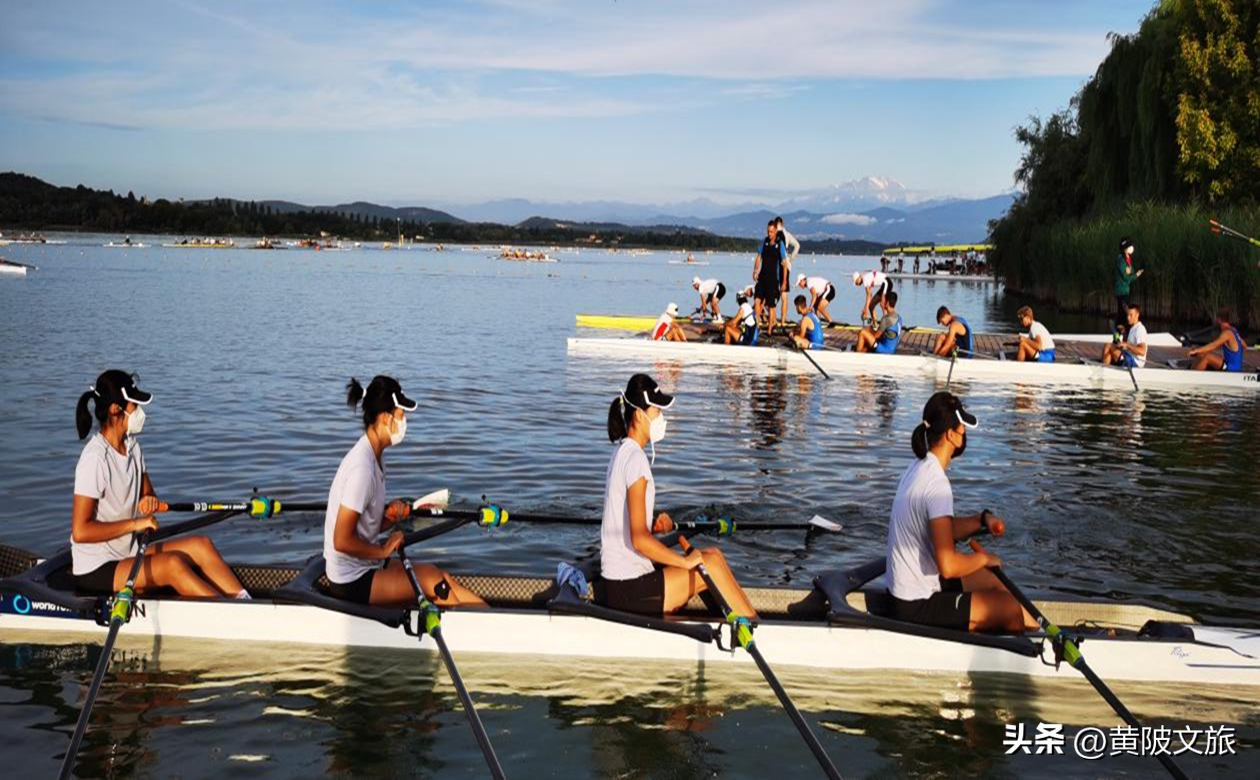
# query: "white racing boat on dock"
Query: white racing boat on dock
1077,364
838,624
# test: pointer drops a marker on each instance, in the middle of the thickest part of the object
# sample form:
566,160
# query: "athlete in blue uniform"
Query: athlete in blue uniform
884,337
957,335
809,334
1230,344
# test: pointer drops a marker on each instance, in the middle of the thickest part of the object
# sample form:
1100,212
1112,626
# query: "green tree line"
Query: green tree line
1164,136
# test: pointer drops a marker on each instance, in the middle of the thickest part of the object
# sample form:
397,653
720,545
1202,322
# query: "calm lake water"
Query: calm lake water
1149,496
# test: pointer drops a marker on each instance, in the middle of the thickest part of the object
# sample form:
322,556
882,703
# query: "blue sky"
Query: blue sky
431,103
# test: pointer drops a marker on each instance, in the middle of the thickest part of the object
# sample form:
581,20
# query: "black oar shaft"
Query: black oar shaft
684,525
750,645
1077,661
431,622
119,616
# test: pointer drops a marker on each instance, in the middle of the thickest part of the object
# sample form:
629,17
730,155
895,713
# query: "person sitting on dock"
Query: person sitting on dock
957,335
884,337
1130,351
877,286
742,328
666,329
822,293
1230,344
711,291
809,334
638,573
930,582
1037,346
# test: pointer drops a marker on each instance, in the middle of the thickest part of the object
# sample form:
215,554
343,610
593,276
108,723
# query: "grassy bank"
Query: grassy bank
1191,273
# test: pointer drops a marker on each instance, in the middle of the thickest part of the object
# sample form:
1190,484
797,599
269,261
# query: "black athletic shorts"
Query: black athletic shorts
99,581
768,291
358,591
948,608
829,294
643,595
720,292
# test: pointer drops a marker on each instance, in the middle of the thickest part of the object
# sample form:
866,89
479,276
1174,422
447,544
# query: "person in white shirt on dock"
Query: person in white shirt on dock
793,249
1129,352
876,285
1037,346
711,291
666,329
822,293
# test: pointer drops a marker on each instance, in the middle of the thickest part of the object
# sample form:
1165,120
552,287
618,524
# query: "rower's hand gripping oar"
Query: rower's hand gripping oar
119,614
742,629
1068,650
431,621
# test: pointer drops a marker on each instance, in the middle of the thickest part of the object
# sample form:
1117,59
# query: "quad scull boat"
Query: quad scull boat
840,623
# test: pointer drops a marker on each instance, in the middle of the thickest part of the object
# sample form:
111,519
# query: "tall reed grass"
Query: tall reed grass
1191,273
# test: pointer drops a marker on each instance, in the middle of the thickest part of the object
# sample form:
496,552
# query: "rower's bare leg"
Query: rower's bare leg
1026,351
720,573
166,570
999,609
391,587
1106,355
757,308
823,311
774,318
1209,361
205,556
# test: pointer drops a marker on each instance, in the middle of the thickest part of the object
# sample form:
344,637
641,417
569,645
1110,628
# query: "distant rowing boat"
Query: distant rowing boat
841,623
126,245
1065,371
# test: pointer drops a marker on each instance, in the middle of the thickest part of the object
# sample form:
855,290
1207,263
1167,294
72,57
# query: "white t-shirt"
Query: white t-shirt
359,485
709,287
793,246
924,493
114,481
1038,329
873,279
1137,335
816,284
746,314
617,557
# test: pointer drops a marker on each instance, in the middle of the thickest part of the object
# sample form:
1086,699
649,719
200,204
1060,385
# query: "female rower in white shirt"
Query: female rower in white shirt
637,572
931,583
114,500
359,569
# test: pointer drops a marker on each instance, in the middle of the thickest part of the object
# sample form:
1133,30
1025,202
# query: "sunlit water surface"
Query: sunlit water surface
1150,496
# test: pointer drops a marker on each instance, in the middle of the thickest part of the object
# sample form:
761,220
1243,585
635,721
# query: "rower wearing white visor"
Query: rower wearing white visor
742,328
114,500
711,291
821,292
638,573
666,329
931,583
358,568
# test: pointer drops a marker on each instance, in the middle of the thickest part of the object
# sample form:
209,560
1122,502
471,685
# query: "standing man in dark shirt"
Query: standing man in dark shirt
768,274
1125,276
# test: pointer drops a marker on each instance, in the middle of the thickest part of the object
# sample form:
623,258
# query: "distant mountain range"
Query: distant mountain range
872,209
365,209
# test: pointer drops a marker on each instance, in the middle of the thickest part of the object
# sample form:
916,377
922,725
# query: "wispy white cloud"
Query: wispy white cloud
849,219
337,66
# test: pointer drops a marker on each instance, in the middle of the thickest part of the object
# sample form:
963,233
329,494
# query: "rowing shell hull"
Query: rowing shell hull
15,270
808,645
1003,371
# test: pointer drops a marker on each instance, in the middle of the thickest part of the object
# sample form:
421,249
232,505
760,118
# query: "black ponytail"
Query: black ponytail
619,415
82,418
377,399
924,438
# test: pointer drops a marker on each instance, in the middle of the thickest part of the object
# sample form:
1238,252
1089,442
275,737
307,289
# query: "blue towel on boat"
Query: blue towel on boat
568,574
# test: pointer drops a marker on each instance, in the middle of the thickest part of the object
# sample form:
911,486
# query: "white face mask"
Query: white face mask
135,421
656,430
396,437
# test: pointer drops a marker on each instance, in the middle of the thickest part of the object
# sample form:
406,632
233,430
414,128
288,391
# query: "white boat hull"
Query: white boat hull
1005,371
806,645
14,270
